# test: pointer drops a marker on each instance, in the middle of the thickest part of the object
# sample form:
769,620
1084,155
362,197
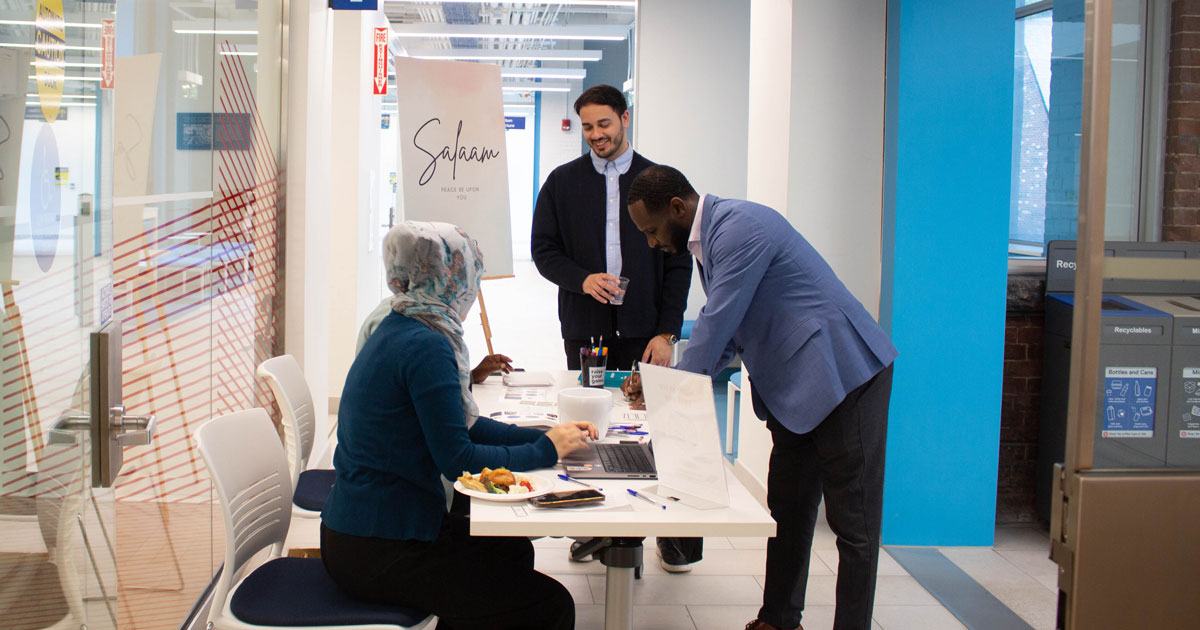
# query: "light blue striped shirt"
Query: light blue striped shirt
612,170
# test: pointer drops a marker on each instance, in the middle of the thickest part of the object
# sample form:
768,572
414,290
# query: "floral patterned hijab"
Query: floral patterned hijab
434,269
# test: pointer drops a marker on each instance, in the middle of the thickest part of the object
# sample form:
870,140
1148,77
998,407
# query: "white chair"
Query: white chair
733,389
250,473
291,391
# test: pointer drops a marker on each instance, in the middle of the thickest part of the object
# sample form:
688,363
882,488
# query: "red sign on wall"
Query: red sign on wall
379,71
108,39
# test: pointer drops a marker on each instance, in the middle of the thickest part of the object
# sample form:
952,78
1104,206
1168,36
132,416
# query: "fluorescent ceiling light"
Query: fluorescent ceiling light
72,104
66,64
544,73
601,32
84,96
537,87
209,31
50,46
478,54
29,23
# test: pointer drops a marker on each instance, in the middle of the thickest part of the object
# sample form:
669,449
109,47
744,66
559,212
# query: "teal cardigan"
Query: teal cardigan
401,427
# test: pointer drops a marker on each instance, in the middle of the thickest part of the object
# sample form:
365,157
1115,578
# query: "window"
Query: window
1047,123
1031,116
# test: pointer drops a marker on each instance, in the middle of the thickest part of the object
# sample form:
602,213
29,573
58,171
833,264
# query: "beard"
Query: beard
677,236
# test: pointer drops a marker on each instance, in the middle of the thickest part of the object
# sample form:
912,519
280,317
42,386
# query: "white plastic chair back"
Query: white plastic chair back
291,391
249,470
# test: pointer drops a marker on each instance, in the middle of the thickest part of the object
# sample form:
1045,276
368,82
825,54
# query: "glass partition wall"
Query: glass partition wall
139,163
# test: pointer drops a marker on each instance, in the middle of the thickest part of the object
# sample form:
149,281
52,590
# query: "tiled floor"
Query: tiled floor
725,589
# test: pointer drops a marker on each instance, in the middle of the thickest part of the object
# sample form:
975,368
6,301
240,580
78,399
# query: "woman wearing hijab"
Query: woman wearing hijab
406,419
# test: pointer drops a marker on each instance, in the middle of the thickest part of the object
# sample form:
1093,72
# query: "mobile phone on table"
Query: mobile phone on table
568,498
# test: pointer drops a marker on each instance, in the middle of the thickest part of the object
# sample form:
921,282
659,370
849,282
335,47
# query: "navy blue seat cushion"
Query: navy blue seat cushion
312,488
299,592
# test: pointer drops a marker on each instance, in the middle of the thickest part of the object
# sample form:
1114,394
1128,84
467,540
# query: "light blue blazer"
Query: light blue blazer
804,338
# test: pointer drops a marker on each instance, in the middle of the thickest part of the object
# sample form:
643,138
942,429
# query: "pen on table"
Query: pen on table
630,432
574,480
644,497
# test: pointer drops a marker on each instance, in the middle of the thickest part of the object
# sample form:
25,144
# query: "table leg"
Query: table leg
622,558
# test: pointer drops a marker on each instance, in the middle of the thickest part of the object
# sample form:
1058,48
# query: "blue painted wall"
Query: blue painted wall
948,154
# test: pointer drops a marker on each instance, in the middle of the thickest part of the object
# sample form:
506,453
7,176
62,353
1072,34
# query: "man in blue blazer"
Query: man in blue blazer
822,376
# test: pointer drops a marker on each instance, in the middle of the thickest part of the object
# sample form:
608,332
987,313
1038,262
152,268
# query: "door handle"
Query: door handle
67,425
131,430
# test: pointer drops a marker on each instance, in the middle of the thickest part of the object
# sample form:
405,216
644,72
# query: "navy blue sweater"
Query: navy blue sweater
567,244
401,426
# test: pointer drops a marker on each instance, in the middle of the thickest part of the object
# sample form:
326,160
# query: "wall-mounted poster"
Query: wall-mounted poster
454,167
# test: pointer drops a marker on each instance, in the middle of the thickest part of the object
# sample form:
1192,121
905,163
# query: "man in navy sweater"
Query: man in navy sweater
584,241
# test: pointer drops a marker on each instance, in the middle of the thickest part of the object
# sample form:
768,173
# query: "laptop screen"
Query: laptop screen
682,417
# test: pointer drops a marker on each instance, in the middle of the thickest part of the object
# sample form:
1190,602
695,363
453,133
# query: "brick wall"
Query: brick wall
1020,399
1181,165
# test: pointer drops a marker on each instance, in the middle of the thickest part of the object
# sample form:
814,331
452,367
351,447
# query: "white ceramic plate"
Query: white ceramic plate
541,485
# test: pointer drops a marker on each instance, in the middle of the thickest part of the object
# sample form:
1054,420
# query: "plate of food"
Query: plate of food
503,484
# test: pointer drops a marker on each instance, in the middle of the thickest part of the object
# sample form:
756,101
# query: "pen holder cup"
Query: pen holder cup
591,368
586,404
612,378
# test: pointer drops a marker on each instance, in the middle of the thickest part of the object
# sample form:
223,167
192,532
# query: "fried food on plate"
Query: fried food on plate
498,481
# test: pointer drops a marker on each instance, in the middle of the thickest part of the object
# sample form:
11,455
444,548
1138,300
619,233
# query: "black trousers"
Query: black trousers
842,459
622,351
469,582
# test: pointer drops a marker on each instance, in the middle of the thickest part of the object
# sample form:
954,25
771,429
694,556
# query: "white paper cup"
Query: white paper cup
586,404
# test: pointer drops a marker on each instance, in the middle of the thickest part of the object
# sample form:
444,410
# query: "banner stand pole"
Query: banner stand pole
487,328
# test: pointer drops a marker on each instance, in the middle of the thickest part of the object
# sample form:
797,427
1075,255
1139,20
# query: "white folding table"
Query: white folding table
626,519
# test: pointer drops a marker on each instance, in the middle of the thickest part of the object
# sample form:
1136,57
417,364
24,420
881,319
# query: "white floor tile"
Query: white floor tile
1034,563
753,542
683,590
643,618
1029,537
581,590
718,542
721,617
901,590
915,618
716,562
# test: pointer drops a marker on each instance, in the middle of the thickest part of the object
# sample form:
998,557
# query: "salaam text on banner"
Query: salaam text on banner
454,164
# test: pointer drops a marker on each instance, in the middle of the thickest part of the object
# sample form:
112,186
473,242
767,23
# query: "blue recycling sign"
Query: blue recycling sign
1129,398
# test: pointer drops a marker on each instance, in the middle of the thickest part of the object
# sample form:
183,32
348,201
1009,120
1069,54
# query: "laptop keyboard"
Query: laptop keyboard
624,458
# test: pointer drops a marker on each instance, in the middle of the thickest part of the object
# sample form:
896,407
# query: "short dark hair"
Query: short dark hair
657,185
602,95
